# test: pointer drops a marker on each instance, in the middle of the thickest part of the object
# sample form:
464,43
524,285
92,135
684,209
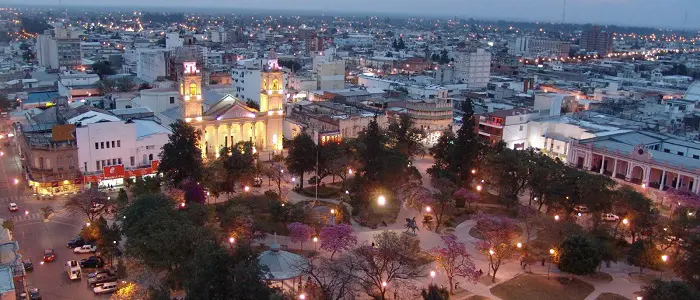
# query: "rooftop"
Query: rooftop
41,97
146,128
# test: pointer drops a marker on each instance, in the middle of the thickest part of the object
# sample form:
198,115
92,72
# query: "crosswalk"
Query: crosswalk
60,213
9,198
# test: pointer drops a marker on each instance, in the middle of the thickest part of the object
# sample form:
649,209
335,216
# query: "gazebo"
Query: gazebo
282,265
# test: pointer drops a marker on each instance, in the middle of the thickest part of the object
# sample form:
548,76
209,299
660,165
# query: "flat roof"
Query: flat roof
42,97
145,128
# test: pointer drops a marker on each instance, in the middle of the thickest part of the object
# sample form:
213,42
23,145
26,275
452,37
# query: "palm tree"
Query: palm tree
47,210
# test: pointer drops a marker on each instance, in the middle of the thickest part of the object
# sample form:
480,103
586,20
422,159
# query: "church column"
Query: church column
614,173
662,182
678,181
602,164
216,140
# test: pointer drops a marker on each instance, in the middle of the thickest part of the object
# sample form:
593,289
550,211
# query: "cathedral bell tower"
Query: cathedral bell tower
272,90
191,92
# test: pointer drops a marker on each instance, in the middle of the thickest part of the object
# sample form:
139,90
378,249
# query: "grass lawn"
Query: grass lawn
611,296
533,287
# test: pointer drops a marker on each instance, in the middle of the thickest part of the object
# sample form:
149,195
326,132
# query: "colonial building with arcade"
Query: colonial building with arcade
226,120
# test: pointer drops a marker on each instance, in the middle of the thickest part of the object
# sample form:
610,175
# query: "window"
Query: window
114,161
97,145
193,89
696,156
104,163
172,100
41,162
59,162
119,161
107,144
145,159
113,144
667,150
150,157
97,165
521,127
119,143
85,166
70,162
132,160
680,153
102,145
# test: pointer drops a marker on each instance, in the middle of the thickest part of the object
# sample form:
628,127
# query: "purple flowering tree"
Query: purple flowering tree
683,198
335,238
498,236
462,194
455,260
300,233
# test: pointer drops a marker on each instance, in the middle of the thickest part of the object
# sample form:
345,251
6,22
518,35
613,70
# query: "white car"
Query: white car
85,249
13,206
107,287
610,217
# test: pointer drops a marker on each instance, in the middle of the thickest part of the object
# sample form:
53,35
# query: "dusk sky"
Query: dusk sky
662,13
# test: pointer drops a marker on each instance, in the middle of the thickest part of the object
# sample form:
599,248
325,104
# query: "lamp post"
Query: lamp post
432,276
551,258
381,200
315,240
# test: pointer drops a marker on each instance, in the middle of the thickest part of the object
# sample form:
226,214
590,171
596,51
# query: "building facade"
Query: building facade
433,116
473,67
529,46
596,40
58,48
509,126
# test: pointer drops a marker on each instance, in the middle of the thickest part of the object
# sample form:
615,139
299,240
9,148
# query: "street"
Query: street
34,235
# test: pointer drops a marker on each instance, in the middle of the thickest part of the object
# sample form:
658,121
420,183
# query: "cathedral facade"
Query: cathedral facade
229,120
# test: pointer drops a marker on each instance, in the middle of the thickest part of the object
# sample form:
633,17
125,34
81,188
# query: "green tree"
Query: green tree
106,86
442,154
468,146
5,103
578,255
435,293
669,290
328,155
221,274
161,237
103,69
85,202
645,255
180,157
238,163
688,262
302,156
508,171
400,45
404,137
126,84
252,104
110,237
122,201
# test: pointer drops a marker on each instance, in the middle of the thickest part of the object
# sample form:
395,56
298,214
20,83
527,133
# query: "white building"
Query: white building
173,40
509,126
330,74
473,67
125,145
58,48
151,64
529,46
246,79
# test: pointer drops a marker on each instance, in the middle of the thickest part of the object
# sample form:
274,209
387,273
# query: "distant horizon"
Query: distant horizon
669,14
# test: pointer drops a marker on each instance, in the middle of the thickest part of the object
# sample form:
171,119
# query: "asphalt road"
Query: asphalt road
34,235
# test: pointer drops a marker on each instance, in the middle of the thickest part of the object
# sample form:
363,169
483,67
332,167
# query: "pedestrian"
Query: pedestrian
481,273
457,285
543,262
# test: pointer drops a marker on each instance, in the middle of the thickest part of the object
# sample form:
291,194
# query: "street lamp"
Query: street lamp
432,276
479,187
315,240
556,217
519,245
381,200
231,240
332,211
87,224
16,181
664,258
302,296
349,171
246,188
625,221
427,209
549,267
473,171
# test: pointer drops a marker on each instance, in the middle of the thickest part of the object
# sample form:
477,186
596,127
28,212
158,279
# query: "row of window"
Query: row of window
118,161
101,145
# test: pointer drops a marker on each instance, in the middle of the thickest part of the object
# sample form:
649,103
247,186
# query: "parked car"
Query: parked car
92,262
581,208
49,255
33,294
13,206
96,207
85,249
76,242
100,279
107,287
608,217
101,271
28,266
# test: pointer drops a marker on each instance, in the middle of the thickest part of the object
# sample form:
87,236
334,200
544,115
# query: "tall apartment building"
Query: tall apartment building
596,40
473,67
151,64
330,73
538,47
58,48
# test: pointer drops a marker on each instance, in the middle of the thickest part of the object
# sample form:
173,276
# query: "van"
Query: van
73,270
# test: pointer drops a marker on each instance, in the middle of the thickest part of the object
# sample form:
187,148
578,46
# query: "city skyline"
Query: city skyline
667,14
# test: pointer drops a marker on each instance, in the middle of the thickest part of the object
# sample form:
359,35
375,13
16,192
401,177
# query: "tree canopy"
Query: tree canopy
180,157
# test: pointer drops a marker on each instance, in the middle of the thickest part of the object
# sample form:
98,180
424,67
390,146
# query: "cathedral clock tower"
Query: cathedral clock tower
191,92
271,91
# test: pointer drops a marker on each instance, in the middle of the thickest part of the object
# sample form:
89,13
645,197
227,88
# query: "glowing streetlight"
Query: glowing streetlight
16,181
384,283
349,171
556,218
26,212
644,185
87,224
491,252
293,179
332,211
182,205
381,200
625,221
231,240
551,251
246,188
315,240
479,188
549,267
302,296
473,171
519,245
428,209
664,258
432,274
347,192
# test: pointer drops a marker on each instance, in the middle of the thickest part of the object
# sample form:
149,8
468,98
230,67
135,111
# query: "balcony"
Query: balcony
491,124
